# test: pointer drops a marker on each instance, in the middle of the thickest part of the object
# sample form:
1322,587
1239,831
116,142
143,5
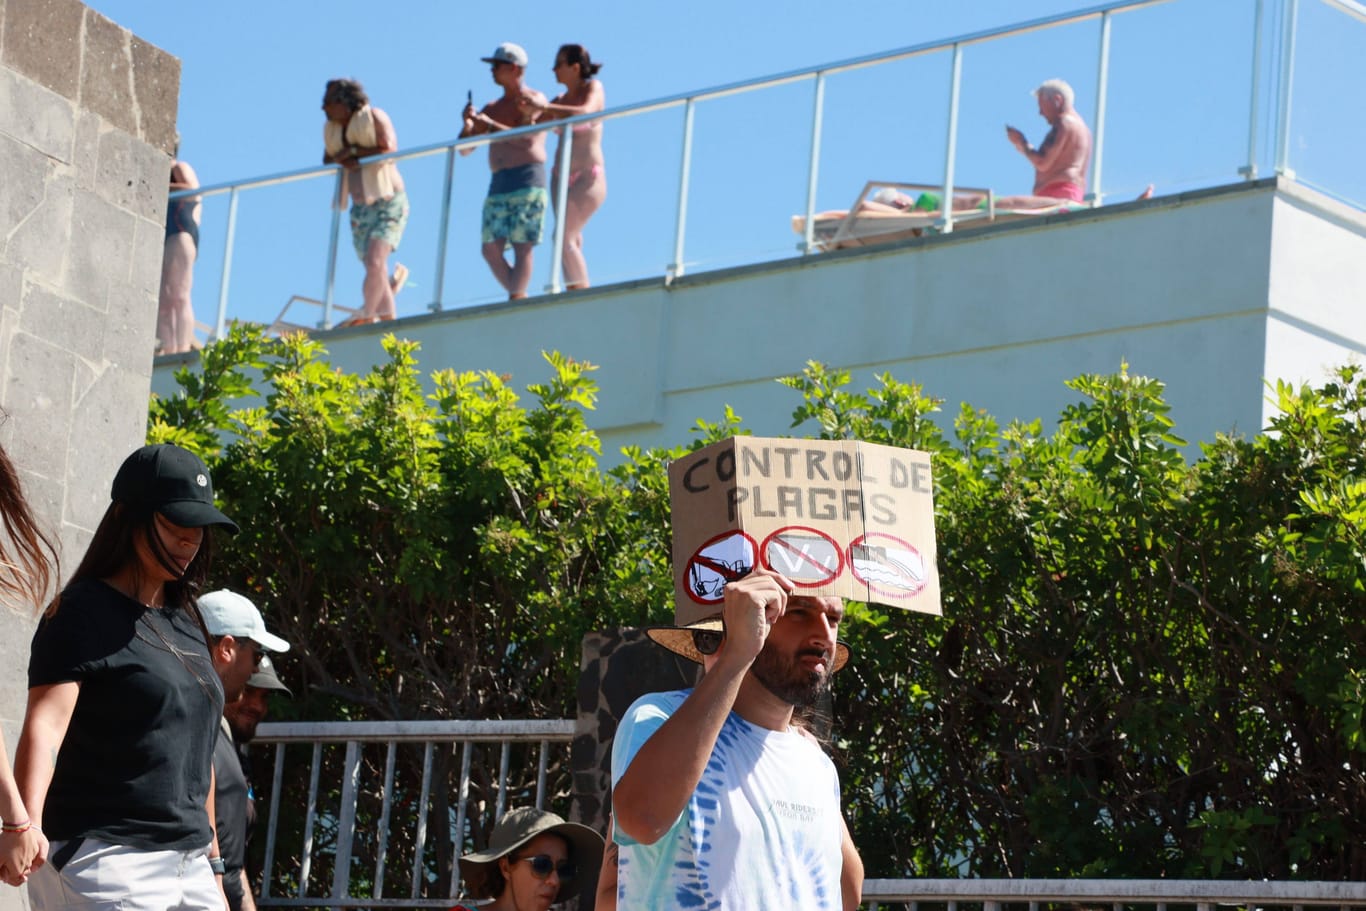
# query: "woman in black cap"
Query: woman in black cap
534,859
123,707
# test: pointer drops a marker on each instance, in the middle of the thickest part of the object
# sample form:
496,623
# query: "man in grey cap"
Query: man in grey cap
236,628
514,211
241,718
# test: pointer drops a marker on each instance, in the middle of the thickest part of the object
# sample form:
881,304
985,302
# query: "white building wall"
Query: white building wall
1210,292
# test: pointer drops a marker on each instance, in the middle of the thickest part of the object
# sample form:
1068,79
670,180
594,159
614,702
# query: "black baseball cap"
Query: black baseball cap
172,481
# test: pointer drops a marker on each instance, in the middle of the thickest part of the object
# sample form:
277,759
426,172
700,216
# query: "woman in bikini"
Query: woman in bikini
175,312
115,757
583,94
28,564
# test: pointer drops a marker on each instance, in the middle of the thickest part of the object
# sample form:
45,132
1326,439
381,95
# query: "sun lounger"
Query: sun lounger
867,222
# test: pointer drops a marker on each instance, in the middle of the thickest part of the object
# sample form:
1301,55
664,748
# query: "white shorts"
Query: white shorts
104,876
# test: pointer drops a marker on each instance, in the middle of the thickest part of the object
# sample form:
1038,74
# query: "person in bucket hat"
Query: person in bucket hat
123,693
534,859
718,798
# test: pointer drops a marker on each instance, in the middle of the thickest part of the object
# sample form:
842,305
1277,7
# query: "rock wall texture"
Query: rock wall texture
87,128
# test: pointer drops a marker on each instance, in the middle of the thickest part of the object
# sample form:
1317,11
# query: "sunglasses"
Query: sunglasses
542,865
707,641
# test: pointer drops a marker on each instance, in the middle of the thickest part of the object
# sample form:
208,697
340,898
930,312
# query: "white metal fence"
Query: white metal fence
502,762
378,793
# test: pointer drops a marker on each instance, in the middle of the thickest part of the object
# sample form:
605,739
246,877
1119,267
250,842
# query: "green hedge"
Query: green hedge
1145,667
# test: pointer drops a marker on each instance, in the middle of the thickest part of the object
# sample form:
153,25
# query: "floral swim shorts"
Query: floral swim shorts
518,216
383,220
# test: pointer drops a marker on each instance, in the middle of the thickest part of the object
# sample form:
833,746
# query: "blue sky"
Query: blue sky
253,73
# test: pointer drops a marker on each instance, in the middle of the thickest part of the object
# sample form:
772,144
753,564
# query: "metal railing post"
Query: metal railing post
951,150
561,200
330,279
1249,170
458,835
813,169
1102,89
272,826
346,823
220,324
443,231
1287,81
310,818
420,838
680,226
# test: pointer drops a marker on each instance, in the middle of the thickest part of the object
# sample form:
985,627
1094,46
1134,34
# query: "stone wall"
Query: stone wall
617,668
87,127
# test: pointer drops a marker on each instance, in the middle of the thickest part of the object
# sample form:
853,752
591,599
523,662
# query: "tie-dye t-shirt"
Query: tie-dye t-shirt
760,833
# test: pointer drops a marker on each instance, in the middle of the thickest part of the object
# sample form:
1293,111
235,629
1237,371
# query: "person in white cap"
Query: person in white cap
238,638
718,799
237,807
238,642
514,210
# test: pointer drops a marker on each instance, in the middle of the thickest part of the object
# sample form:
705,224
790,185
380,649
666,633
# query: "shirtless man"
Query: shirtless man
515,208
1060,162
379,205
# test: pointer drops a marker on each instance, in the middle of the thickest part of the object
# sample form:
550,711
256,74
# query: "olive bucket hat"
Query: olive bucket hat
520,826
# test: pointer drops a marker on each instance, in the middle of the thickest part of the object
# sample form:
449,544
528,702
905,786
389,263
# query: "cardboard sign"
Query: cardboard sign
837,517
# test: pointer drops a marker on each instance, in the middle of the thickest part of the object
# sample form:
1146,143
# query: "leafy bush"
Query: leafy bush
1145,667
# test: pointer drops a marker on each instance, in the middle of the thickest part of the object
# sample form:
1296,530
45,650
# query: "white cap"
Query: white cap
507,52
229,614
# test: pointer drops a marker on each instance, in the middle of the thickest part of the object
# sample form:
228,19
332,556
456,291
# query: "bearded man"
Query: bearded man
718,799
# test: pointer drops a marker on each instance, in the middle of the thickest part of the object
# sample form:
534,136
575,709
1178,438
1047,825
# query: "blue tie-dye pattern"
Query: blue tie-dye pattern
784,868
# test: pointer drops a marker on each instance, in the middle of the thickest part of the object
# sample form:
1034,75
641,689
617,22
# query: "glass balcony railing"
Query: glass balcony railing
1182,94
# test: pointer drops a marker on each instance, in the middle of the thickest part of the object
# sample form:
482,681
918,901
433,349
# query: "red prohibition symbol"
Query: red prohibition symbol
887,565
807,556
725,558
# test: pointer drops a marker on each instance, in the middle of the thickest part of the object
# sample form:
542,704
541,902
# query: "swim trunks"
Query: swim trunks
516,204
180,219
1062,189
383,220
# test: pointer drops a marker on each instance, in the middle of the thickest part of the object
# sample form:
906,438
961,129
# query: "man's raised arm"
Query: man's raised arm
653,791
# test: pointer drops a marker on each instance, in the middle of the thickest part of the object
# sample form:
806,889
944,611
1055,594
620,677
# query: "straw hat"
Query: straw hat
678,639
520,826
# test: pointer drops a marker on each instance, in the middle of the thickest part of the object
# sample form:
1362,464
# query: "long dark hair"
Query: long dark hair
28,560
113,548
347,92
577,54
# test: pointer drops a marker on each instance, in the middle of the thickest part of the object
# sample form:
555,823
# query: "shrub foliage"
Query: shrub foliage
1145,667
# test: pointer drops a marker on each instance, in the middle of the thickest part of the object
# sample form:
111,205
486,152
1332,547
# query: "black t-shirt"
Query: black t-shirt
133,768
230,806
